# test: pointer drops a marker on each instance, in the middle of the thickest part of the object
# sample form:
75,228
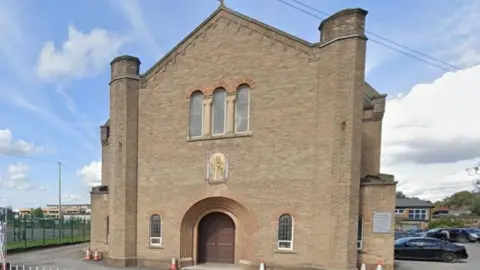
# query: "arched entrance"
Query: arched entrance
244,226
216,239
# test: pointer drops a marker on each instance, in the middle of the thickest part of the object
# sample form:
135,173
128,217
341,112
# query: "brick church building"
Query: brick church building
246,143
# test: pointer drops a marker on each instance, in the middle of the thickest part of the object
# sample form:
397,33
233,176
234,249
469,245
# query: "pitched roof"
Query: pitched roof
236,14
412,202
370,92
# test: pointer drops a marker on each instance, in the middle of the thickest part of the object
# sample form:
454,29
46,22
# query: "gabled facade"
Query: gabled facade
246,143
413,213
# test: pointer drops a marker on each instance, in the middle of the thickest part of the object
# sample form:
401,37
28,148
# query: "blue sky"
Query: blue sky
55,71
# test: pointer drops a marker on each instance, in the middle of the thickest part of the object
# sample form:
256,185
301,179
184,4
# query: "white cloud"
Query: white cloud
91,173
17,178
430,135
69,198
83,54
18,47
17,147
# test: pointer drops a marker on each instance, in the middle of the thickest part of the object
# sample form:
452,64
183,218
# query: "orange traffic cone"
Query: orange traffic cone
380,265
96,256
262,265
173,265
88,254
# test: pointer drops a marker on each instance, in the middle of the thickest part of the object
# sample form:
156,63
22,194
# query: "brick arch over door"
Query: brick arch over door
243,219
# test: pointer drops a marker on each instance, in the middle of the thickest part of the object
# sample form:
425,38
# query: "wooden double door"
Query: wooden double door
216,239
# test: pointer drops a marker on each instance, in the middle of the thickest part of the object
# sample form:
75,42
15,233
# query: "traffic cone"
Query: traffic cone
173,265
95,255
88,254
363,267
379,266
262,265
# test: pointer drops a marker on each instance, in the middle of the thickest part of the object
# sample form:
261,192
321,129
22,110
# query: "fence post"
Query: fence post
71,229
60,229
83,230
53,228
24,231
14,233
43,230
32,224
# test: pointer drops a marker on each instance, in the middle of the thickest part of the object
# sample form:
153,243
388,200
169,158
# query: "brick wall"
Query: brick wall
377,247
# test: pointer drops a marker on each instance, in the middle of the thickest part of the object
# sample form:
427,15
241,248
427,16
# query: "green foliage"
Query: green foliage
475,172
447,223
462,199
475,208
38,212
400,195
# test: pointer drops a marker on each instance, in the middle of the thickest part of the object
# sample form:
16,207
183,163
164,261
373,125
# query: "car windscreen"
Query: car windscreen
401,241
472,230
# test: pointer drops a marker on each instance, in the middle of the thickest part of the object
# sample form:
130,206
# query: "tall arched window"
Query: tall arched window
196,114
155,230
285,232
219,111
360,233
242,109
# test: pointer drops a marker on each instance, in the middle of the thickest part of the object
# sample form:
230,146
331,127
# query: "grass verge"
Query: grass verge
35,244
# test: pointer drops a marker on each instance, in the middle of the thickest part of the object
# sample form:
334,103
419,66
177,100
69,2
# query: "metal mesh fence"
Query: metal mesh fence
28,232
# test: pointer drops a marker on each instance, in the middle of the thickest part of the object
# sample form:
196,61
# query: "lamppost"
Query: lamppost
60,214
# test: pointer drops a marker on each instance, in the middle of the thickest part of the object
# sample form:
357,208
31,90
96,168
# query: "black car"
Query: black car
399,235
456,235
424,248
474,234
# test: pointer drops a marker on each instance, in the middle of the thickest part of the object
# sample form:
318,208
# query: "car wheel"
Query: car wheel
449,257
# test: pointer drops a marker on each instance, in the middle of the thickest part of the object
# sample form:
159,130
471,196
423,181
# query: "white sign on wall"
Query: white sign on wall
382,222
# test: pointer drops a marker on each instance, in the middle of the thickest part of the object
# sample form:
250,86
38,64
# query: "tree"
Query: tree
400,194
458,200
476,206
475,172
37,212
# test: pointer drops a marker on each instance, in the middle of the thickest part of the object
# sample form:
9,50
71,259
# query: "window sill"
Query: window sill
285,251
219,137
155,247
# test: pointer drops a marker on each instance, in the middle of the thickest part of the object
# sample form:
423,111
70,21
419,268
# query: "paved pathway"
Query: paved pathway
70,257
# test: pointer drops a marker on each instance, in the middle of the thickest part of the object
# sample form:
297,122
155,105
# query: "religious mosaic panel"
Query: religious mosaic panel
216,167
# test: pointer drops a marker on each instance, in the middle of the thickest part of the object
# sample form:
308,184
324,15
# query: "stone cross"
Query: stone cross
222,2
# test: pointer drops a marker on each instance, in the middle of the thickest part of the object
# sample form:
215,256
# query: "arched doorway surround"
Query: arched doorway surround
216,239
244,222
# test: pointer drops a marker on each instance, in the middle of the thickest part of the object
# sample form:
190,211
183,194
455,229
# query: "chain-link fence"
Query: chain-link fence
29,232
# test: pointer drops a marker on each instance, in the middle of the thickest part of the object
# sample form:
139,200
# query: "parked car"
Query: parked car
418,232
423,248
434,233
474,233
459,235
400,234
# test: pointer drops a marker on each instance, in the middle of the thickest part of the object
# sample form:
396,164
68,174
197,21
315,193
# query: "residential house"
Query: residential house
413,213
440,211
